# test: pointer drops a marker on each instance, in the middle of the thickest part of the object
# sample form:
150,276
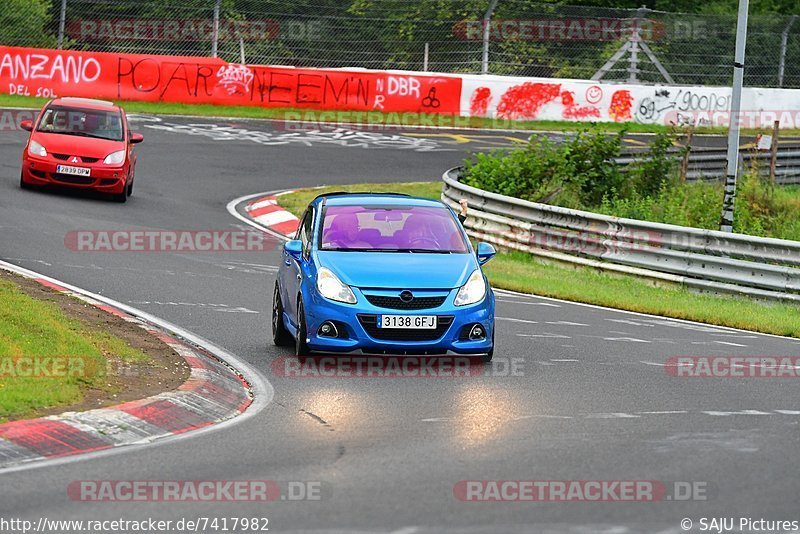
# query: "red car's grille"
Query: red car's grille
83,159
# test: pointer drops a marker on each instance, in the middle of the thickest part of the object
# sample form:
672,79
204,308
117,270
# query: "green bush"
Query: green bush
571,174
580,173
25,23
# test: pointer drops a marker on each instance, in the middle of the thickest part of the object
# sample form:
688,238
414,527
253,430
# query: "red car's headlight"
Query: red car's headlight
35,149
115,158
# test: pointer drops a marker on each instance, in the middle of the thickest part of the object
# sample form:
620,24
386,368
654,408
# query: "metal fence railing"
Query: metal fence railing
709,164
702,259
515,37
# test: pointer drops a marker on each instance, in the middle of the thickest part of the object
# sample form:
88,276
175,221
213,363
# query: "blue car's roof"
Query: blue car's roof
366,199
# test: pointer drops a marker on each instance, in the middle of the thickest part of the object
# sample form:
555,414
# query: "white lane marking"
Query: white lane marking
536,416
513,320
720,329
626,415
544,363
632,323
30,260
215,307
261,387
627,339
612,415
664,412
564,360
716,342
741,412
545,335
565,323
546,304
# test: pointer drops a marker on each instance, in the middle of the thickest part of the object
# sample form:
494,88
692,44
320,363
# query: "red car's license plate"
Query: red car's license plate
77,171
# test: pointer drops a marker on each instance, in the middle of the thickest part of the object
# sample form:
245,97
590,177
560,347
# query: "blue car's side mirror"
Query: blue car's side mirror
485,252
294,249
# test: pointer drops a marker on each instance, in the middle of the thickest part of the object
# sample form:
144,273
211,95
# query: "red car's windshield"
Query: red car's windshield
82,122
391,229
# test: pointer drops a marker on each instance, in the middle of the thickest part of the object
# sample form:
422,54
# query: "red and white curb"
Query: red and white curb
215,392
266,211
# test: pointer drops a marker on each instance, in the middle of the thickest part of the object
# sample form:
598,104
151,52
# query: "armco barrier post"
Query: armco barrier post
487,22
726,222
773,149
62,22
215,31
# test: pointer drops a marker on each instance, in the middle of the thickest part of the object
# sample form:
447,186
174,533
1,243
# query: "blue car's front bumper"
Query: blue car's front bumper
362,334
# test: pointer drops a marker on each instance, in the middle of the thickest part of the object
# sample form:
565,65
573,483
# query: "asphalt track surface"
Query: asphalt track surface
590,399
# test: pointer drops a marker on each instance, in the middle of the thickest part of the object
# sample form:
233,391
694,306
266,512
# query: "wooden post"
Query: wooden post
687,152
773,162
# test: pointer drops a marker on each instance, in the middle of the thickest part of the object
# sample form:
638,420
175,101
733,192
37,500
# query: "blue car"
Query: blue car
383,274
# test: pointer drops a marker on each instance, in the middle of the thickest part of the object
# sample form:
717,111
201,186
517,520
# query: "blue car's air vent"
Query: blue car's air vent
397,303
370,324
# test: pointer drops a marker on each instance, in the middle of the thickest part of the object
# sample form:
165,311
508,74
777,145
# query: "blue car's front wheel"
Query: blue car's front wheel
280,336
486,358
300,345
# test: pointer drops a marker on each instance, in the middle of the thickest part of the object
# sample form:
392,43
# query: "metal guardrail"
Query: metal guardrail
710,163
702,259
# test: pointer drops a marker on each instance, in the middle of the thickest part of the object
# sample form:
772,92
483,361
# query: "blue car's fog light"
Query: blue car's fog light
472,332
477,333
328,329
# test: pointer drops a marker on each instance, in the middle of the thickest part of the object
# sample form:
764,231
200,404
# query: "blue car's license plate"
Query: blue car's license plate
418,322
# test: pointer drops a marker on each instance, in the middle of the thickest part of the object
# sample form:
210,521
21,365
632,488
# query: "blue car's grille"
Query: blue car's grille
395,303
370,324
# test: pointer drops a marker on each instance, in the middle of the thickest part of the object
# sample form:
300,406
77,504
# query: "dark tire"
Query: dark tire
300,345
23,184
486,358
280,336
130,188
122,198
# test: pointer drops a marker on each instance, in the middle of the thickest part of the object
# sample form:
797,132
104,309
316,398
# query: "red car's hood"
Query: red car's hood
72,145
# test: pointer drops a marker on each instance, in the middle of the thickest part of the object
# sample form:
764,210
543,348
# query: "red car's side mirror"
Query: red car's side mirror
26,125
136,138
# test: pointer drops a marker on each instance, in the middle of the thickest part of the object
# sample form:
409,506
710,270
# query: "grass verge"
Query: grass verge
372,118
57,352
525,273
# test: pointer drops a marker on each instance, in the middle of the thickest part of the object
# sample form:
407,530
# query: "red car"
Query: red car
81,143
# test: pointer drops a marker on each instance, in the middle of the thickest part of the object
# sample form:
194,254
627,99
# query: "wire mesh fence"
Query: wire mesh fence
507,37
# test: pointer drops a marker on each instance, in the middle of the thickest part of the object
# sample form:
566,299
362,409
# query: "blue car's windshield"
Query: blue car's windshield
391,229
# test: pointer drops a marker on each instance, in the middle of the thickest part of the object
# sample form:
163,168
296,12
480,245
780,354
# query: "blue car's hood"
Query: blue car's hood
400,270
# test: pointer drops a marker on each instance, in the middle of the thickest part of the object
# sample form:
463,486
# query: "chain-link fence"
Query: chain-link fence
510,37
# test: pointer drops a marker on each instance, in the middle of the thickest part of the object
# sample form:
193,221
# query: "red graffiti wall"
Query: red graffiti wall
199,80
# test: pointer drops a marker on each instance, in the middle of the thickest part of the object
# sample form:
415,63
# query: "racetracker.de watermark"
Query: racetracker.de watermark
392,367
733,366
169,241
195,491
11,119
606,491
559,29
98,30
747,118
377,121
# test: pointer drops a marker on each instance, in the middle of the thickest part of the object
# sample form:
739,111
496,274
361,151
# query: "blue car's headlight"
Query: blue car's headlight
330,287
473,291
